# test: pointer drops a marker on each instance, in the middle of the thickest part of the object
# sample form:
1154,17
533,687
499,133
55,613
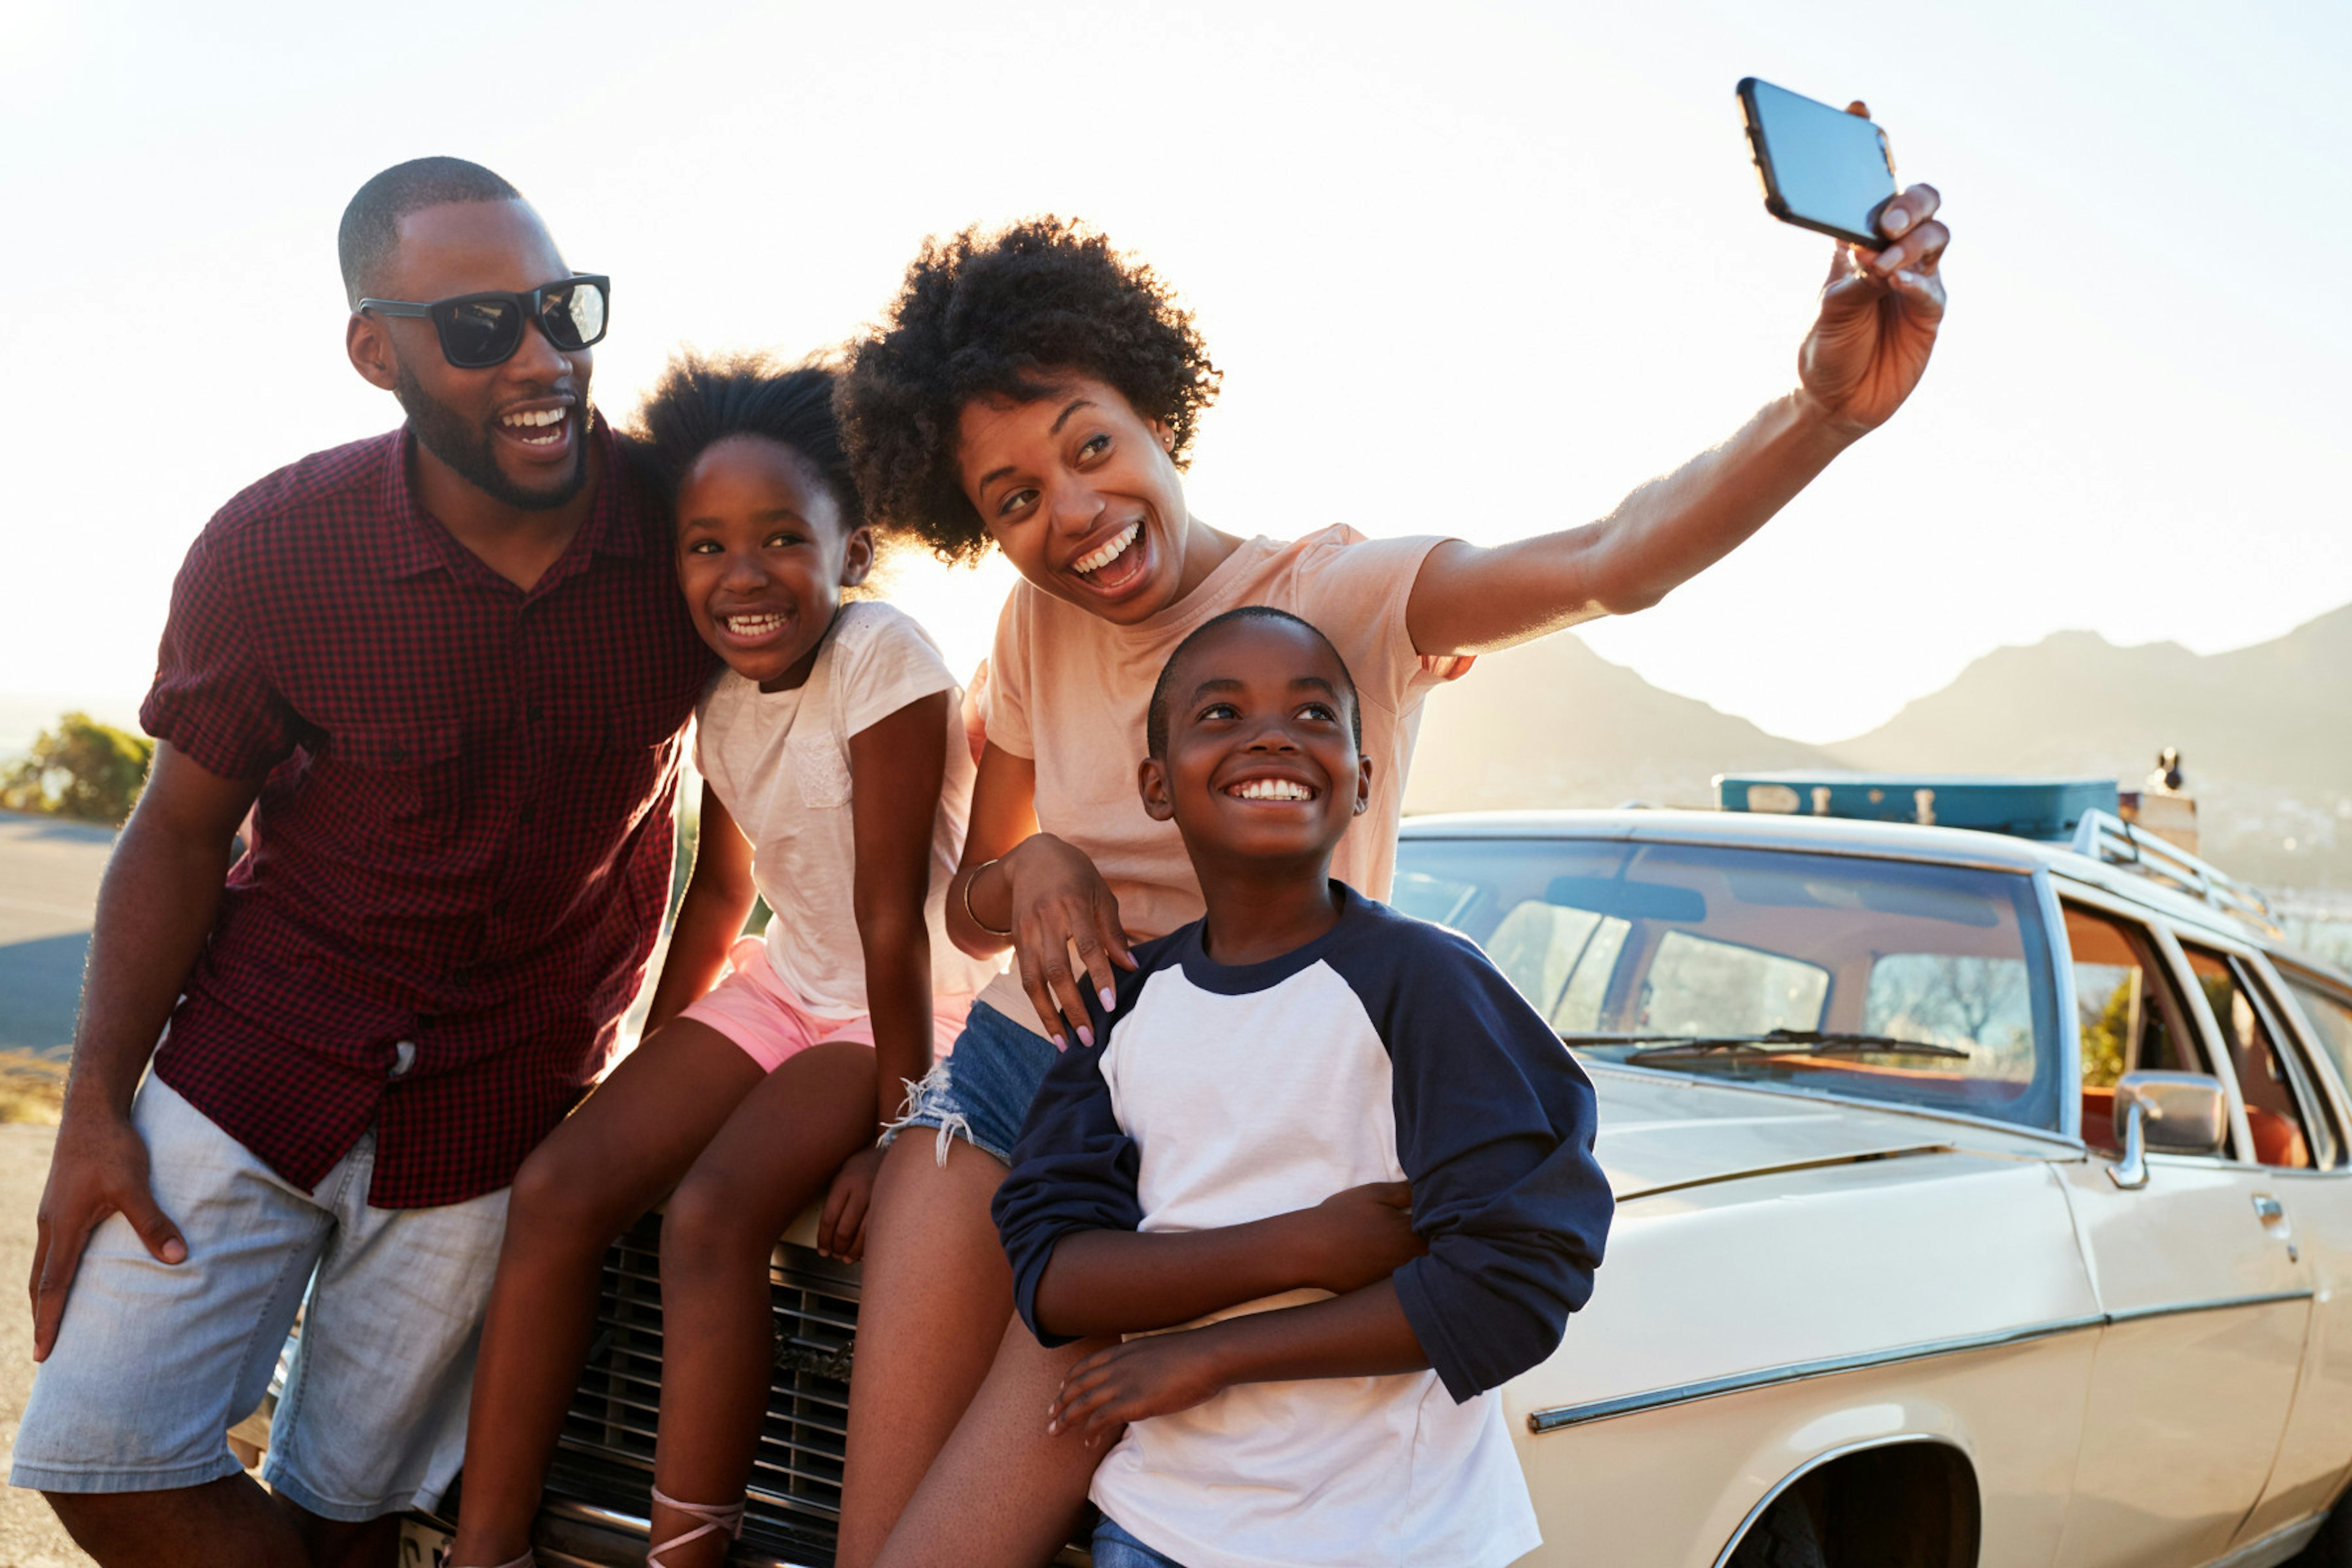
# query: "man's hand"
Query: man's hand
1360,1235
99,1168
1880,311
1157,1375
841,1230
155,906
1059,902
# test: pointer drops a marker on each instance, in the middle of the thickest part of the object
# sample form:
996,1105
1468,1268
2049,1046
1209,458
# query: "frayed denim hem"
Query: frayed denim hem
931,1103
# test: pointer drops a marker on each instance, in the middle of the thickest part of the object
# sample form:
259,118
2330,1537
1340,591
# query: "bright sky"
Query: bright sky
1472,268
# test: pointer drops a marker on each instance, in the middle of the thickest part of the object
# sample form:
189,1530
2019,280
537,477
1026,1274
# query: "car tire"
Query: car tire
1783,1537
2332,1547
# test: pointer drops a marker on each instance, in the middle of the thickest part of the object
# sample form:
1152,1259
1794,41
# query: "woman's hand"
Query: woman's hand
1880,310
1156,1375
1059,902
841,1230
1360,1236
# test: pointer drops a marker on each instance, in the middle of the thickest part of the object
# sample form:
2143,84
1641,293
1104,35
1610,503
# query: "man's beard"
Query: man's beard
468,451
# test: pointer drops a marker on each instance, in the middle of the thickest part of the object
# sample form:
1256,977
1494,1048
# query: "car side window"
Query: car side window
2131,1018
2331,1020
2285,1134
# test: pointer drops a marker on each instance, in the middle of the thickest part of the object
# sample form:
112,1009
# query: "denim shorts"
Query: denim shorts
156,1361
981,1092
1115,1548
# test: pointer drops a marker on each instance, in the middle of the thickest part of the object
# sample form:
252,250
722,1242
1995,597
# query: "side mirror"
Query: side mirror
2170,1113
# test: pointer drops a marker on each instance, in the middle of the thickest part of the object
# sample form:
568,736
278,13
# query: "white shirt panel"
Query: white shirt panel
1316,1117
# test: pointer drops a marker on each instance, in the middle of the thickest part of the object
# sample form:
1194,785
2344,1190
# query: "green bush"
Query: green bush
82,769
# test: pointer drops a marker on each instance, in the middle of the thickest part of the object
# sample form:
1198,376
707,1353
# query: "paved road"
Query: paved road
48,886
30,1536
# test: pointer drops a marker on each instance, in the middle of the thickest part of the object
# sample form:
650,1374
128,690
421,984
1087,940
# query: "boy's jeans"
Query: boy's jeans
1115,1548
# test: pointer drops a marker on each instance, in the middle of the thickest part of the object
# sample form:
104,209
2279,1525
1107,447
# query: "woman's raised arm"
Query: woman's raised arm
1866,350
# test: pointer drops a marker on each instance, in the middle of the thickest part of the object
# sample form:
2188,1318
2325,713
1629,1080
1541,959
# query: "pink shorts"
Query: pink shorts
754,1008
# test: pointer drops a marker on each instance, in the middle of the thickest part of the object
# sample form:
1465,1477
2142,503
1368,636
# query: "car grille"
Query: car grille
606,1451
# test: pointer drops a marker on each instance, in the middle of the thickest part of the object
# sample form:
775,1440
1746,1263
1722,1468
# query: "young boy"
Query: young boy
1298,1040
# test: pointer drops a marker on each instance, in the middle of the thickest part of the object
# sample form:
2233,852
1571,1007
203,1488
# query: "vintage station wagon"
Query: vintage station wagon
1982,1199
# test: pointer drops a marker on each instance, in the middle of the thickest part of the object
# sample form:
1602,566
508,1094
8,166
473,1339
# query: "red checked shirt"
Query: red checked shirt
460,855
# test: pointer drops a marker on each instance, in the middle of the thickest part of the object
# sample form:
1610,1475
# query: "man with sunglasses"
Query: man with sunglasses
437,676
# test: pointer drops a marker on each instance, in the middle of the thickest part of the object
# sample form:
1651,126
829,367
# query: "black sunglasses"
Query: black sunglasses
479,330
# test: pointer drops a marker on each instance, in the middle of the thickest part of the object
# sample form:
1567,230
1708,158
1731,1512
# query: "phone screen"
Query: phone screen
1824,169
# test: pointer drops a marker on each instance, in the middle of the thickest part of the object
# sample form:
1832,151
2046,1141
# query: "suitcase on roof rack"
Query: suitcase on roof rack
2048,810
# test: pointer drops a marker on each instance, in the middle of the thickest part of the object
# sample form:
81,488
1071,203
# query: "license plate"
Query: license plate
422,1546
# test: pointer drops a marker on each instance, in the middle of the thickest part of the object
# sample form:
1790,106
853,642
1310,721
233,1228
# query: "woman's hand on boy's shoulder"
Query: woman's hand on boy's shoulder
1060,902
1358,1237
1156,1375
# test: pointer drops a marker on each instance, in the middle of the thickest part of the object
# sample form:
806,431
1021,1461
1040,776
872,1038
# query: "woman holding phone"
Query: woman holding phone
1034,390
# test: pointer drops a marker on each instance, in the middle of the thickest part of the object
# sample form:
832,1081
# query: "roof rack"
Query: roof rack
2108,839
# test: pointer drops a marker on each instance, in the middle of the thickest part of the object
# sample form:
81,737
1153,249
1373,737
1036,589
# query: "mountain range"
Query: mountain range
2264,733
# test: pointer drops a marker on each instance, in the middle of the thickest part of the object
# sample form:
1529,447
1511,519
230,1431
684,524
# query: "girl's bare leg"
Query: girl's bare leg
773,1157
1002,1494
610,1163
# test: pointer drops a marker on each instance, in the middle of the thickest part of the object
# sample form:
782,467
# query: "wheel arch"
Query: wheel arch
1932,1461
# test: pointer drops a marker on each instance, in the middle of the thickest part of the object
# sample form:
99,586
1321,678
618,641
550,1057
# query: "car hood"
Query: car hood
1661,1131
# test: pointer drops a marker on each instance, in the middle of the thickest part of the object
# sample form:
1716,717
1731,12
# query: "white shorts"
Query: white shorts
154,1362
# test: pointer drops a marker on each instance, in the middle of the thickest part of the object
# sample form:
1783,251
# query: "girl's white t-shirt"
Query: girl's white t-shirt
779,763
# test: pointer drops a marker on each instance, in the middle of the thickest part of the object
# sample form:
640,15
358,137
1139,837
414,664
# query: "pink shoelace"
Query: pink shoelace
717,1519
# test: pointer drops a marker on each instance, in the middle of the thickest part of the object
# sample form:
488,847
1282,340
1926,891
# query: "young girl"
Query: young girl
837,780
1034,390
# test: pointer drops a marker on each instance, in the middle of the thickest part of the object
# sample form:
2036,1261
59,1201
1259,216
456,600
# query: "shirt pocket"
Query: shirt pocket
619,727
642,726
404,776
820,772
611,764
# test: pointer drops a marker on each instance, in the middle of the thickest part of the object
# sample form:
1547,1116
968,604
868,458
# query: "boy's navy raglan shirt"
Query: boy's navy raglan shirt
1388,1048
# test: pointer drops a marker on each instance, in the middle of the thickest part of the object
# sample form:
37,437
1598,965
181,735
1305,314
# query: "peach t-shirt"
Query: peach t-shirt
1068,691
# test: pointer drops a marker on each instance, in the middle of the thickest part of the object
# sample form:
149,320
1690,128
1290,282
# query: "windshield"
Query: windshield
1927,985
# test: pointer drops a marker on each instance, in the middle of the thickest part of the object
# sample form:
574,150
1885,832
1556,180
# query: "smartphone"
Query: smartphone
1822,168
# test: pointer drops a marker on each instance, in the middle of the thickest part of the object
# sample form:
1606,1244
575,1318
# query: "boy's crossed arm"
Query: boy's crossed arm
1119,1281
1126,1281
1363,1333
1494,1129
1081,1269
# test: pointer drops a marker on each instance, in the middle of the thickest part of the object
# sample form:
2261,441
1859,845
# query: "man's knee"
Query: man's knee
228,1521
93,1519
340,1543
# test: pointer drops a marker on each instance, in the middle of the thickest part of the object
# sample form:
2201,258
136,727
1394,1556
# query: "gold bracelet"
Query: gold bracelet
968,911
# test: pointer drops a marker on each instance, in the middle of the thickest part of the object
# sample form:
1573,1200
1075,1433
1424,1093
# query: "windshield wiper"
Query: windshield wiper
1772,1042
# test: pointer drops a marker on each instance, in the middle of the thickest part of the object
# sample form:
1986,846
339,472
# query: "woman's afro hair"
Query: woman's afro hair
999,315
